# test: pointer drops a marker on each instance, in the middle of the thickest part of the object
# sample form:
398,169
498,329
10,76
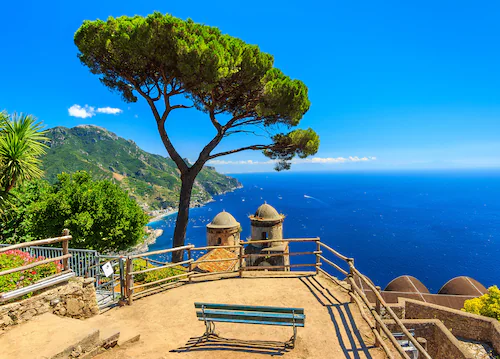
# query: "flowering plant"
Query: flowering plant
487,305
17,258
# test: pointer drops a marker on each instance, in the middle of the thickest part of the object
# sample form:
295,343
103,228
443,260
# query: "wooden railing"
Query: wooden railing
358,296
65,274
131,287
286,254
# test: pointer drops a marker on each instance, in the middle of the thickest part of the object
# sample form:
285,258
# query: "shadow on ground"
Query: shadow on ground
214,342
338,309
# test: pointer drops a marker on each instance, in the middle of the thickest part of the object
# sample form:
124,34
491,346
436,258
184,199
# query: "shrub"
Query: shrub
152,276
16,258
98,213
487,305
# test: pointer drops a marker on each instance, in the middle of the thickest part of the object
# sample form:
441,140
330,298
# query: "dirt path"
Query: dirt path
166,321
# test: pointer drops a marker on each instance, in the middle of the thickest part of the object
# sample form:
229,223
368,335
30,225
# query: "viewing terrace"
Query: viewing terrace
340,322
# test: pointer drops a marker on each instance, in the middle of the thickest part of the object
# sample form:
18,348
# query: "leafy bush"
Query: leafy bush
152,276
16,258
487,305
99,214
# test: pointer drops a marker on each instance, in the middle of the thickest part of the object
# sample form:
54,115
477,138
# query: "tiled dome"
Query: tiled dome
223,220
406,283
267,213
463,286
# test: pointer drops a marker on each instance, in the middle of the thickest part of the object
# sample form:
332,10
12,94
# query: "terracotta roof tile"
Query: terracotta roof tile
219,253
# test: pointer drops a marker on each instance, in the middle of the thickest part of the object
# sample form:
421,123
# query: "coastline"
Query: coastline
171,211
153,234
161,215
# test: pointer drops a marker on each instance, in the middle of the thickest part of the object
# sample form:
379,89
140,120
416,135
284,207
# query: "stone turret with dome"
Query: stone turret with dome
224,230
266,224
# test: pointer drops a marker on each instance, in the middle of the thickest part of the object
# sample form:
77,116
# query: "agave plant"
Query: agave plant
21,145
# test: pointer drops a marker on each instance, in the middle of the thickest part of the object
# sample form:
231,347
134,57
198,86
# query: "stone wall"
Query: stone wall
441,344
399,310
75,298
227,237
274,230
461,324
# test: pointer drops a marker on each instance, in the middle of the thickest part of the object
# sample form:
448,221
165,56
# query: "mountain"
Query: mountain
152,180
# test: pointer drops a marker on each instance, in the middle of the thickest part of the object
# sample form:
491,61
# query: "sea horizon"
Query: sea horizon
434,225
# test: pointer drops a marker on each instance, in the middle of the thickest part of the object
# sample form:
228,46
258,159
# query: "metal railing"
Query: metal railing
81,260
56,278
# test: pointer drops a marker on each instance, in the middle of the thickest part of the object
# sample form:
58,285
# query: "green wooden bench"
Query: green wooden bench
249,314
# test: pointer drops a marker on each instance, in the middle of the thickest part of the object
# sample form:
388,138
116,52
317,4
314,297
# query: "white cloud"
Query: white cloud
297,160
81,112
109,110
89,111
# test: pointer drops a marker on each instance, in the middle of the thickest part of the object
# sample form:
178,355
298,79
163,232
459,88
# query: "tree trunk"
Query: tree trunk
182,215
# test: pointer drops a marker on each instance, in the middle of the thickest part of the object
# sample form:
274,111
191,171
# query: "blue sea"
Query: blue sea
431,225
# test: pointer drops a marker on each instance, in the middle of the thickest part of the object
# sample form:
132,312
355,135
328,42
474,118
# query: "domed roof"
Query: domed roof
406,284
266,213
223,220
463,286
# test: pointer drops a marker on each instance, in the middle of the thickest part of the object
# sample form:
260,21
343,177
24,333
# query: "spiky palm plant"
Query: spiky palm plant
21,145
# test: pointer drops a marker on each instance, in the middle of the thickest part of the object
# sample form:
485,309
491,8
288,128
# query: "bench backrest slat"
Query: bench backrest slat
251,308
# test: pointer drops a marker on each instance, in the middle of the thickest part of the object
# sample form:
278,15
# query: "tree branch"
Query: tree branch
211,110
160,123
253,148
180,106
231,122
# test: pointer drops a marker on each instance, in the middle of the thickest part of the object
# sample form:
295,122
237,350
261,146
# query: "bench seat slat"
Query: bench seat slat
278,321
222,313
249,308
245,321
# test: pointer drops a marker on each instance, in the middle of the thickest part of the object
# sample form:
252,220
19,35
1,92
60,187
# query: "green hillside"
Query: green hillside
150,179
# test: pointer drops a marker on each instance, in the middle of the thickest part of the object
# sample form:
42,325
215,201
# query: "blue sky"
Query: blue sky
393,84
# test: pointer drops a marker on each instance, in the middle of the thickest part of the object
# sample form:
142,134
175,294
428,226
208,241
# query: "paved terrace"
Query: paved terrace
166,321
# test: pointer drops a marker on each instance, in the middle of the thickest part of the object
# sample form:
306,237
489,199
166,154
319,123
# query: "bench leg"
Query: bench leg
209,329
291,343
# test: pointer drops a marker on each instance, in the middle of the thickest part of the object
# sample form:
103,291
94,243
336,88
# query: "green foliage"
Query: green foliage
152,276
298,142
164,56
487,305
99,214
17,258
152,180
21,146
17,225
161,57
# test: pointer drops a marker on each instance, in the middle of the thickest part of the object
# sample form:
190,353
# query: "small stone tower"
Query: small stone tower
224,230
267,223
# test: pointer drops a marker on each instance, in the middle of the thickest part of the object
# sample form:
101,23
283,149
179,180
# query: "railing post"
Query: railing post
123,285
378,310
318,259
350,261
130,280
240,261
190,265
65,249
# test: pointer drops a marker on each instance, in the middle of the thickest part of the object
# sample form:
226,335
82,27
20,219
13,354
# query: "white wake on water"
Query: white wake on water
316,199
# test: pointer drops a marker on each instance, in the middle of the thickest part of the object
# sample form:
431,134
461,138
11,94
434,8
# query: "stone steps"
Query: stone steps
48,335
